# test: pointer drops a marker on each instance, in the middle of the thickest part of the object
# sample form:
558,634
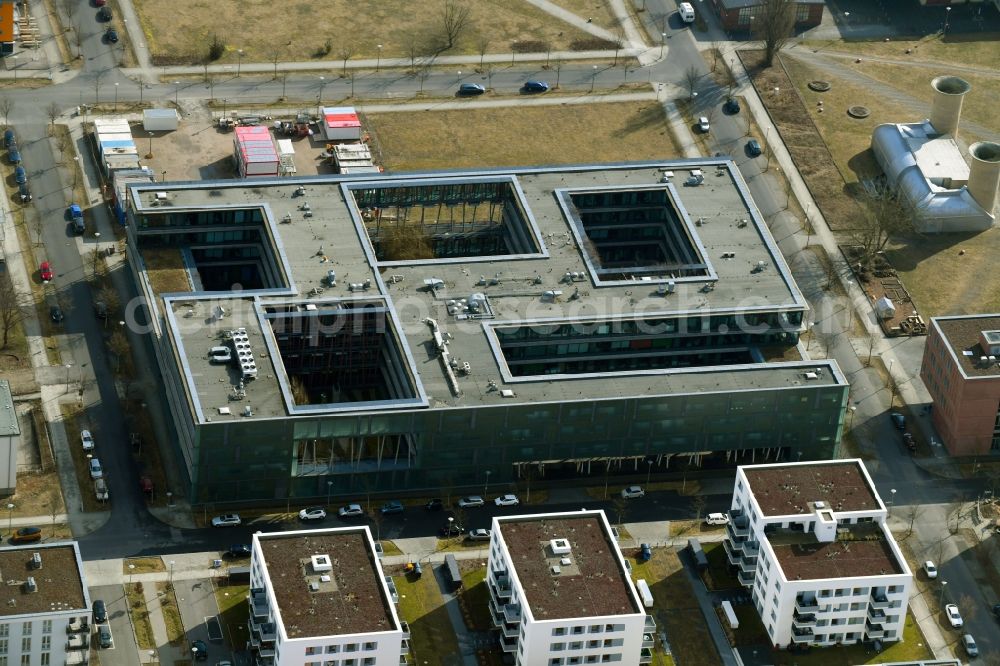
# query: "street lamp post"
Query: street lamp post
116,96
947,15
809,326
459,79
131,570
854,410
649,469
593,78
486,486
329,486
10,518
378,57
177,90
451,525
149,155
944,586
239,62
663,42
170,580
15,67
322,82
892,499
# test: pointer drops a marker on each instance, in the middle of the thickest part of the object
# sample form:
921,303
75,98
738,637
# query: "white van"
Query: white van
686,11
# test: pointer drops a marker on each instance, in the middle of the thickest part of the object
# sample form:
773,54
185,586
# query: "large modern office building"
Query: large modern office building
331,335
810,541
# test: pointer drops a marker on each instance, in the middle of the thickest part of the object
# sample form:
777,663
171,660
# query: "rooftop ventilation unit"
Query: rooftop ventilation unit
560,546
313,586
321,563
30,585
36,561
819,505
244,354
556,570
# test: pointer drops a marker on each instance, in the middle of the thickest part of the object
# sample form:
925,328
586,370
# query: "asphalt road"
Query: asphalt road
123,648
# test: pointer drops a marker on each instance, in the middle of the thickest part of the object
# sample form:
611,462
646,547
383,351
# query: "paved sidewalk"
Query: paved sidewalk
166,653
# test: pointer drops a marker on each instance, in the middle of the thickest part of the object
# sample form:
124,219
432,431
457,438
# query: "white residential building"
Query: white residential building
560,592
810,540
320,598
45,607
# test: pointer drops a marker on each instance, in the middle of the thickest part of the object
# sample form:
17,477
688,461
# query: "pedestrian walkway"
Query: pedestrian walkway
678,126
166,653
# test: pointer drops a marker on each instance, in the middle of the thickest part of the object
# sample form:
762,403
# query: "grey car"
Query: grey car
104,636
969,643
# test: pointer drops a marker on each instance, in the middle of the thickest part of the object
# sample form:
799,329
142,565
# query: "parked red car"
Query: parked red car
46,271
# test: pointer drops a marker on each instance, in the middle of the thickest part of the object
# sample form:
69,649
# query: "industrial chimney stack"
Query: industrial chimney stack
984,176
946,109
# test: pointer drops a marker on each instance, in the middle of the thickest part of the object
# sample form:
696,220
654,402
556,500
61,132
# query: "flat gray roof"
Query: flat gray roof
8,415
748,274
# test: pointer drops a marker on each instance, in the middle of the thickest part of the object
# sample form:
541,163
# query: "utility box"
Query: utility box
159,120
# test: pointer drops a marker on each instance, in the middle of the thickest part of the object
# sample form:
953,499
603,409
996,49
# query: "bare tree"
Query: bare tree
53,112
422,76
883,215
691,78
412,50
275,55
6,106
557,65
490,69
716,52
11,308
95,259
454,18
118,345
619,43
774,21
346,53
698,504
910,514
482,45
109,296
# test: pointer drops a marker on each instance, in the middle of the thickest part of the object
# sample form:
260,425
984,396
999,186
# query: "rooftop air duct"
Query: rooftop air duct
984,175
946,110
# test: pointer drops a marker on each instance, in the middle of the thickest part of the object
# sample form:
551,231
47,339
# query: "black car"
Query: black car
199,650
100,612
9,139
753,148
909,442
238,550
732,105
13,155
20,175
24,192
434,505
898,420
56,313
104,13
451,530
111,35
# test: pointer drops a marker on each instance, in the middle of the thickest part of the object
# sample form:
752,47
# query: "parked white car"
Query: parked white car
716,519
87,440
930,569
96,471
703,125
471,501
633,492
954,617
507,500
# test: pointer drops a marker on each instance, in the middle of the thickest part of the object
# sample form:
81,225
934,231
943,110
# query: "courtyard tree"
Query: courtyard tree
691,78
774,21
346,53
6,106
482,46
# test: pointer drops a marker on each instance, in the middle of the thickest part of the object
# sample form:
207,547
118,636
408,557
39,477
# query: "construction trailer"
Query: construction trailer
286,157
160,120
254,152
352,158
120,180
341,123
115,146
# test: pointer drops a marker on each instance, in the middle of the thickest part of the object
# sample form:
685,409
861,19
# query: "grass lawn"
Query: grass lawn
181,31
38,494
694,528
390,548
143,565
171,614
421,605
233,612
606,132
474,598
597,11
978,106
140,617
979,51
675,610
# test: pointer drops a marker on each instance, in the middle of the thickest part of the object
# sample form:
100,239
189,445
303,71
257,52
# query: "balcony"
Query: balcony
76,658
266,632
874,631
262,661
258,604
510,631
402,660
508,644
739,529
804,622
876,616
880,602
77,627
500,587
745,578
406,629
648,641
733,553
802,637
650,624
806,606
646,656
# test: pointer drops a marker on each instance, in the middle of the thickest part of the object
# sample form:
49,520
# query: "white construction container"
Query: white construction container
158,120
341,123
643,588
254,152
